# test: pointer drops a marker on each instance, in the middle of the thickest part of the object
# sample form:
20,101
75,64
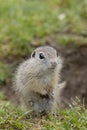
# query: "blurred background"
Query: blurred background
27,24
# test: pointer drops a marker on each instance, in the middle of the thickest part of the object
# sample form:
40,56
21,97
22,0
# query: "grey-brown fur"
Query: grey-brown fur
36,80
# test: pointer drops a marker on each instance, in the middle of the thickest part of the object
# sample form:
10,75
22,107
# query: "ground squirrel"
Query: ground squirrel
36,80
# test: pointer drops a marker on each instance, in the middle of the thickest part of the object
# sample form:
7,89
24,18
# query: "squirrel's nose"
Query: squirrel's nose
53,64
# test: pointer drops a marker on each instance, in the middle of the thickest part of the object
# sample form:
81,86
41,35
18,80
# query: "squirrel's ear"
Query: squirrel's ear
57,53
33,54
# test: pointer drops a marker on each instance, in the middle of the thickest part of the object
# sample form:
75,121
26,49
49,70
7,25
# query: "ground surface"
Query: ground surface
25,25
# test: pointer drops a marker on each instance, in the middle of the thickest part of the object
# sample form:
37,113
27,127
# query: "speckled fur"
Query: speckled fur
36,78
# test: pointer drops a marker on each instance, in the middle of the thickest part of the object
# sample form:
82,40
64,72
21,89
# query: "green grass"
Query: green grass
24,20
68,119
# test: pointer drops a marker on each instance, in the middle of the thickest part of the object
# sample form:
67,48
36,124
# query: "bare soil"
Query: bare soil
74,72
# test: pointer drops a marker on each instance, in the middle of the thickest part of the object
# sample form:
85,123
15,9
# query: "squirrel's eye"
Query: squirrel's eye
33,54
41,56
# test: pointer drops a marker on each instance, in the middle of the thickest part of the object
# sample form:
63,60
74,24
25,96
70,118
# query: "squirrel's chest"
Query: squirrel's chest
44,81
41,85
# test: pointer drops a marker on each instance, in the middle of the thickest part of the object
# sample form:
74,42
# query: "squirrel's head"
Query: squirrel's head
46,59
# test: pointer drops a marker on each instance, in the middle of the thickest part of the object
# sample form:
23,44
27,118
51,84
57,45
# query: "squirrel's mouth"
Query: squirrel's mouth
53,67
